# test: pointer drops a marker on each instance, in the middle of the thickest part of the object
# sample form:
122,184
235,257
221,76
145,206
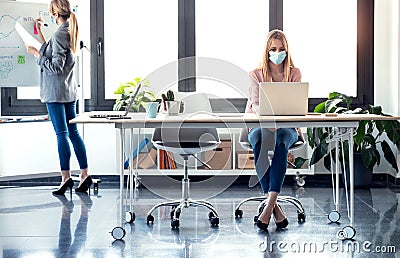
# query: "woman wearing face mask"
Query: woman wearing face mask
276,66
58,90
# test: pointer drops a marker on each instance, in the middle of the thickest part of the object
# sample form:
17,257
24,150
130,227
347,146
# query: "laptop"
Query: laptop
283,98
117,114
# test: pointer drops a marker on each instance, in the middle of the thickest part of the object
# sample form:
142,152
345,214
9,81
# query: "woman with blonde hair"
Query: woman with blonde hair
276,66
58,90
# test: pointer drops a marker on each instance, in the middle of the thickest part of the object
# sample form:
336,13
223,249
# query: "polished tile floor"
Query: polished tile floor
33,223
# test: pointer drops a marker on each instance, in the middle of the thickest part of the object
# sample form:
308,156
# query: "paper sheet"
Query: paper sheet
26,37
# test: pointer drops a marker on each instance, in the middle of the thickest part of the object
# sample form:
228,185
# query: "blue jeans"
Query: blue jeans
271,176
60,114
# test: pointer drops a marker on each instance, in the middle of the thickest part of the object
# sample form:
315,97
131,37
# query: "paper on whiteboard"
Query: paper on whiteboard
26,37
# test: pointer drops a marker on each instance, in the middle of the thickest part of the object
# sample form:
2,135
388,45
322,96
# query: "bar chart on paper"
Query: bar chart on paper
17,67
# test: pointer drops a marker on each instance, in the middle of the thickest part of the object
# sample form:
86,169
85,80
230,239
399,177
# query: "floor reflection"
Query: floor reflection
36,224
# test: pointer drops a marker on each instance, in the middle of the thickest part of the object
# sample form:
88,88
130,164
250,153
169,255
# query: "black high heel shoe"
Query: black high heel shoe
61,191
281,224
85,185
261,225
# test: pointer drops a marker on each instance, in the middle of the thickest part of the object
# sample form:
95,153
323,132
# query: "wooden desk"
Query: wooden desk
348,122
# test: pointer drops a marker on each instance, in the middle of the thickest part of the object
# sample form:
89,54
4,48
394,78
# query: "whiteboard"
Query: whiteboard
17,67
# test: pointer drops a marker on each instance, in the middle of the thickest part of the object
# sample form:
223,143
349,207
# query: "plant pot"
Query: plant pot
362,174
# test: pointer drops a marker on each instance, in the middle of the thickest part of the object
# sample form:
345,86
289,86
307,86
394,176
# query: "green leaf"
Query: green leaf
327,162
389,155
310,137
377,110
319,152
320,108
369,157
360,133
331,105
299,162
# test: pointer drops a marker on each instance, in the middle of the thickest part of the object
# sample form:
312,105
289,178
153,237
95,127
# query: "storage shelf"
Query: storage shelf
206,172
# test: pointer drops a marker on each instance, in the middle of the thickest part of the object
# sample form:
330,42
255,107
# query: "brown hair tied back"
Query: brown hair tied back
63,9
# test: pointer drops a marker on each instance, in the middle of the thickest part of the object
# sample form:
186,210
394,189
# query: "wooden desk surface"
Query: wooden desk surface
139,120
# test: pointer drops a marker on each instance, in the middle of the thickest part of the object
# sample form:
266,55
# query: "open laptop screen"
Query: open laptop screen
283,98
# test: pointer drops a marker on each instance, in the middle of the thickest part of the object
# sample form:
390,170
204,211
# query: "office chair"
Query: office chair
244,142
186,142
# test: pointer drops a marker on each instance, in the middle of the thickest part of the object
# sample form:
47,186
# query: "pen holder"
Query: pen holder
174,107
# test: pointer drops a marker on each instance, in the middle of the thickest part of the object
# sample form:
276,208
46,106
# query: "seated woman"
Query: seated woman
276,66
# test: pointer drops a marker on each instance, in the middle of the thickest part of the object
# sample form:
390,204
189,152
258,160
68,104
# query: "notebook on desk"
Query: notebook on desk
283,98
118,114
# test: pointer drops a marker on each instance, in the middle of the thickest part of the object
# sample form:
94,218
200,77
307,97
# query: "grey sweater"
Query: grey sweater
57,82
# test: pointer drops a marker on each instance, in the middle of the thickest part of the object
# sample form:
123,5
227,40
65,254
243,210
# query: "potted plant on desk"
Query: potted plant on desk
367,138
127,89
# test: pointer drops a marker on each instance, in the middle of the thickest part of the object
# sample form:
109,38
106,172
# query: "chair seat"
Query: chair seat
186,147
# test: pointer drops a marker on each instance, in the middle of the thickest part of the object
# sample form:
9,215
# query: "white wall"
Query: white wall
387,56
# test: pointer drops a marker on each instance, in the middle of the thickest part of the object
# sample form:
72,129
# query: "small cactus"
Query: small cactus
170,95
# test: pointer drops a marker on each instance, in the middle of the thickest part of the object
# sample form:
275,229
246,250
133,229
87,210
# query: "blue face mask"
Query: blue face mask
277,58
53,20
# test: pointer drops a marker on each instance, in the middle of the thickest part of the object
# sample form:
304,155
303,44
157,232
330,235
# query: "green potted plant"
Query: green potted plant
367,138
127,89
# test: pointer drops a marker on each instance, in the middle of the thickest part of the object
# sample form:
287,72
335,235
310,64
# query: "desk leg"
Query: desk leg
348,232
121,177
351,167
118,232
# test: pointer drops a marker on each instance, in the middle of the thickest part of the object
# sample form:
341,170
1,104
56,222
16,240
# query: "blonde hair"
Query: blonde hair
287,63
63,9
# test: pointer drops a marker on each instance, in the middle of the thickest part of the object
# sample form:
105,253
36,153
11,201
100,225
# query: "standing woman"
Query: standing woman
58,90
276,66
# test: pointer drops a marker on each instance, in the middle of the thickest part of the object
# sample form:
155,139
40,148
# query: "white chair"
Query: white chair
244,142
186,142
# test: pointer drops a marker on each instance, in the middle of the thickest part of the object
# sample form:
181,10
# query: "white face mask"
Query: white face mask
277,57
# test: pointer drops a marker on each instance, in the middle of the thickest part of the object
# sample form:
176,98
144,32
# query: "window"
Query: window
158,32
323,43
140,38
234,36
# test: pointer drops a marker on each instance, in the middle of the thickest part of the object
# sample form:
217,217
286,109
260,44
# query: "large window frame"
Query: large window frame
11,105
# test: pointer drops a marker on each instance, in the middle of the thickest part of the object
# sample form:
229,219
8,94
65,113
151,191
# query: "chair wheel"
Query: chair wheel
118,233
150,219
238,213
211,215
348,232
255,219
130,216
301,217
300,182
334,216
178,213
214,221
174,224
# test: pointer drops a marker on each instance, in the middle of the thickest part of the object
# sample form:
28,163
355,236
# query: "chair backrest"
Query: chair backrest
194,139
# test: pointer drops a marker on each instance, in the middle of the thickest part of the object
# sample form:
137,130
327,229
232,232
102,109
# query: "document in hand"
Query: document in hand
26,37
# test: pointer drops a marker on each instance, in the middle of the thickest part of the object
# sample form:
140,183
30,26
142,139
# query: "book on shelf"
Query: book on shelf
166,160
